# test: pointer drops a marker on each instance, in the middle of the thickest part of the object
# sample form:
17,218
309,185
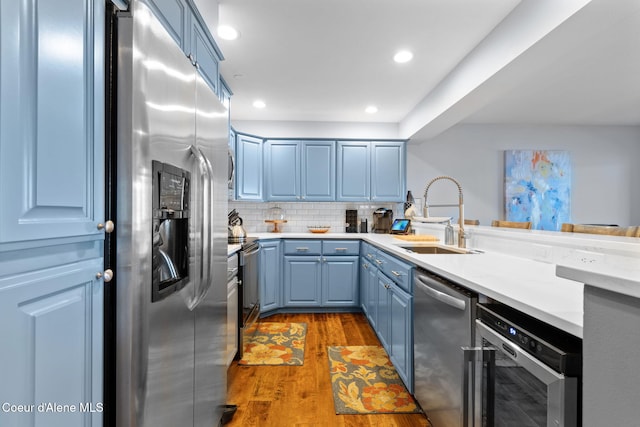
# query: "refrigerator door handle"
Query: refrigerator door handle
474,361
206,173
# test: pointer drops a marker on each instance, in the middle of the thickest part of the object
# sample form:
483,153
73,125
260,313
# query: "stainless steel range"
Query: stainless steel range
248,292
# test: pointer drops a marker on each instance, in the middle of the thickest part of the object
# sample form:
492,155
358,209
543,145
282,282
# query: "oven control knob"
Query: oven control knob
533,344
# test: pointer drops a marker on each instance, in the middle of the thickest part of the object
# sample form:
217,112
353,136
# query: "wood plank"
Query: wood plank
300,396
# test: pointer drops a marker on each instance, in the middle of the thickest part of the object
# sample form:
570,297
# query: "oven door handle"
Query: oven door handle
475,359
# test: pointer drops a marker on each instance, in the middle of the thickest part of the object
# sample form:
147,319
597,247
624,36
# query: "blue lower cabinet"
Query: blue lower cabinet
383,309
364,275
369,290
389,309
52,344
302,281
340,281
401,339
270,275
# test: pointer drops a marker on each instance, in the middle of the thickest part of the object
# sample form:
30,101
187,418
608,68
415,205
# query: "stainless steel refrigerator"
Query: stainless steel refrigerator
171,234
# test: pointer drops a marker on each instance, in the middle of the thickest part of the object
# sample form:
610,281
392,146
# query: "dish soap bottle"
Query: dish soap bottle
448,234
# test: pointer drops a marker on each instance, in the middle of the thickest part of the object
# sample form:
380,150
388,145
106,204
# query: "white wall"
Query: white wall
606,178
344,130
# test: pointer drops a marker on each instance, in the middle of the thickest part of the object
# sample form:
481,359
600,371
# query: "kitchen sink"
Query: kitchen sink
434,250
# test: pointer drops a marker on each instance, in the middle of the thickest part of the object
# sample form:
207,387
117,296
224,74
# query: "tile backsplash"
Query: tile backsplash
299,215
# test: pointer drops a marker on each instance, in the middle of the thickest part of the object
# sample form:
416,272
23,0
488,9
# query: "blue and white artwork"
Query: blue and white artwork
538,187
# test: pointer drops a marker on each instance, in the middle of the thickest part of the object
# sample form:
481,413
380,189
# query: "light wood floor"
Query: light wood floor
300,396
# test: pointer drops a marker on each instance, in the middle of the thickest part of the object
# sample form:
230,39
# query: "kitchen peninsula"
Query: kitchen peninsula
611,348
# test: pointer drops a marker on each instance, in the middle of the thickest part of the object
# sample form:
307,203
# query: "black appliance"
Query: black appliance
351,221
382,220
530,372
170,255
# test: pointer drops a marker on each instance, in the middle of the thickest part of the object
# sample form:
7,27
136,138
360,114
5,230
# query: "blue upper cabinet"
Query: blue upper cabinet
176,18
183,22
354,170
371,171
51,120
248,167
318,174
205,53
300,170
388,169
282,168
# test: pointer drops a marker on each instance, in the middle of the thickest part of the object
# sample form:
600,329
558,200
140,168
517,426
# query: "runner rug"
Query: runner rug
274,344
364,381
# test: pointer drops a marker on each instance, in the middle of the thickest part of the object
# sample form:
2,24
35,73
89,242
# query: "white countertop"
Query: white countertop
233,248
527,285
620,279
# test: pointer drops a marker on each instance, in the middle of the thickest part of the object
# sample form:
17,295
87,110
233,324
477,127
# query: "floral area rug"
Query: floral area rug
364,381
274,344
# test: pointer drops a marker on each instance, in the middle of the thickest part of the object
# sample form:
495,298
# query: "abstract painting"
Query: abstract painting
538,187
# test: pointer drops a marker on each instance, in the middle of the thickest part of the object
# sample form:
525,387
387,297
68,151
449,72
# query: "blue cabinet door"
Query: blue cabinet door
270,263
52,119
353,174
175,15
340,281
318,172
282,169
204,53
364,276
372,295
52,344
302,281
401,334
388,175
248,167
383,317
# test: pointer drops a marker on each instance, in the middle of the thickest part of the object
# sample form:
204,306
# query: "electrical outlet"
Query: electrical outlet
588,258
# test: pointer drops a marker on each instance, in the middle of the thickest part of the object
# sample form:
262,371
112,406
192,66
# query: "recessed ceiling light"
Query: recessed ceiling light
228,33
403,56
371,109
258,103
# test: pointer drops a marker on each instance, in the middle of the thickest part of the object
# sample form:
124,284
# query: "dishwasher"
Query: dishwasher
444,315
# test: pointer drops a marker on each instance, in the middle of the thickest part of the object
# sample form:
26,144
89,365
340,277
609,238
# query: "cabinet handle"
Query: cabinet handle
370,256
107,275
107,226
341,249
395,273
387,286
365,265
302,249
379,262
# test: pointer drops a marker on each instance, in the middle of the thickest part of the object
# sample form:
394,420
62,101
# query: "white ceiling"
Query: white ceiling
327,60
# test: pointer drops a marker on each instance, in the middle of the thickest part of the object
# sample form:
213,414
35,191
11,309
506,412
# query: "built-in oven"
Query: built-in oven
522,373
248,291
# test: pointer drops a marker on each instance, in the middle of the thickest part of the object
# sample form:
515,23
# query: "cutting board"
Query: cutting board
417,237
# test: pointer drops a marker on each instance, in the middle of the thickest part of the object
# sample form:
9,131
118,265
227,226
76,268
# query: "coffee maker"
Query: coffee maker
382,220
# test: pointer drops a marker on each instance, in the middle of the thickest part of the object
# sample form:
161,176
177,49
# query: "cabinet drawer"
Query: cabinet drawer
369,252
302,247
395,269
341,247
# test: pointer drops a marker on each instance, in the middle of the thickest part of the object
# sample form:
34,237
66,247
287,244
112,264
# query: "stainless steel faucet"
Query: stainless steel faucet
462,237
